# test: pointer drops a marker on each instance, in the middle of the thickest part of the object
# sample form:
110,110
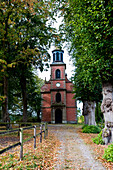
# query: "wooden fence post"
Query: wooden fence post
19,128
34,136
21,144
44,130
41,133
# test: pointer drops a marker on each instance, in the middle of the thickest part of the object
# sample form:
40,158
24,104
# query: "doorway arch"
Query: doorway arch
58,116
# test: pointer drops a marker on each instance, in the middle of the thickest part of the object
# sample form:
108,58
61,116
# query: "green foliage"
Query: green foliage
85,90
98,113
108,154
84,126
11,156
32,119
91,129
81,119
26,35
33,85
88,25
33,89
98,140
88,29
101,125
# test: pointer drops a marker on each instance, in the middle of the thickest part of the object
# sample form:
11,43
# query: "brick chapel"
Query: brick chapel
58,104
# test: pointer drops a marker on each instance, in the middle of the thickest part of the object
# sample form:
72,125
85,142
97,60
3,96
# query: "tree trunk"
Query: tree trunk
24,97
85,113
107,110
91,109
89,112
5,104
5,90
38,116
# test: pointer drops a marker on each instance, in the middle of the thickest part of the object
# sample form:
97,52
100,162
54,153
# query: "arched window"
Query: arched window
61,57
53,57
57,73
57,56
58,97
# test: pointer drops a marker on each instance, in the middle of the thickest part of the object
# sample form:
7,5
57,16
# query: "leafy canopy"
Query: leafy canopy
88,26
26,34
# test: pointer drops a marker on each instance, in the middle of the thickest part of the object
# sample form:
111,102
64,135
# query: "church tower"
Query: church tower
58,105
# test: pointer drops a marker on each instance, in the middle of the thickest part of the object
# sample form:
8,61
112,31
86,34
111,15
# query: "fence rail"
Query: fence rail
43,129
9,125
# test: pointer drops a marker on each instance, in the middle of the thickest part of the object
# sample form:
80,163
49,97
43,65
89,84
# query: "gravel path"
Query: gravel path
73,152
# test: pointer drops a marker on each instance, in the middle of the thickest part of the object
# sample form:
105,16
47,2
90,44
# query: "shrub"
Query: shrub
108,154
101,125
32,119
98,140
91,129
84,126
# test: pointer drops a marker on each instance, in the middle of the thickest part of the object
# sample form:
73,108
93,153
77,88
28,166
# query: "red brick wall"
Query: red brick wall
51,95
69,86
62,84
71,115
46,102
46,114
54,96
70,104
70,101
46,87
61,68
